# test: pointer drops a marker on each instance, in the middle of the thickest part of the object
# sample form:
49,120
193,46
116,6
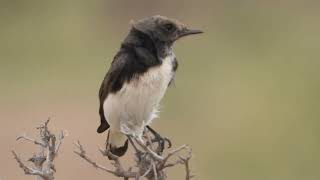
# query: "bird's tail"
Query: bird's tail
117,142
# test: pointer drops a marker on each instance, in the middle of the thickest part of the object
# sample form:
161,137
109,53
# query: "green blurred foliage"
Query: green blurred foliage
247,91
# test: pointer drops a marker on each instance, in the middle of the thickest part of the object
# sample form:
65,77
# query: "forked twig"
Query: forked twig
149,163
44,160
27,170
119,171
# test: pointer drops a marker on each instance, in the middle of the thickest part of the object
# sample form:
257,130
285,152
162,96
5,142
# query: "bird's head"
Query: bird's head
163,29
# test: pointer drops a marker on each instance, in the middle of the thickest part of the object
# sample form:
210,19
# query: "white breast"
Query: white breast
136,104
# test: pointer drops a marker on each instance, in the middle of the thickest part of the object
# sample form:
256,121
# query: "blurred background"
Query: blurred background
246,97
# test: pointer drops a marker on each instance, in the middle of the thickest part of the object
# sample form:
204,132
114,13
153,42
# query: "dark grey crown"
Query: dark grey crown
163,29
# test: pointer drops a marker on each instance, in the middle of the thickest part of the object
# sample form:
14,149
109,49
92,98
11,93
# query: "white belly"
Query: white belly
136,103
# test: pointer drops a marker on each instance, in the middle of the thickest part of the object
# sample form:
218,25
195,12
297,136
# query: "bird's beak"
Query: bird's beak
187,32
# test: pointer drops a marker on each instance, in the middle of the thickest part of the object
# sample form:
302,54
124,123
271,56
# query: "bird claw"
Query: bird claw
168,141
162,141
157,138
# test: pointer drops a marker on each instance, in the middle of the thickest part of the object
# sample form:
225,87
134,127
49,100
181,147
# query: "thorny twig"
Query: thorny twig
26,169
120,172
149,163
43,160
26,138
186,163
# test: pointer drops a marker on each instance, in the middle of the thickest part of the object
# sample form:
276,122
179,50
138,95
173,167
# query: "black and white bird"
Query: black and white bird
138,78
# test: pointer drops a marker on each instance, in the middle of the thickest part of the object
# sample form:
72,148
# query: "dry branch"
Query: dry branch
149,163
43,161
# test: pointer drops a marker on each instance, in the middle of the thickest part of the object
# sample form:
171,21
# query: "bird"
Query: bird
137,79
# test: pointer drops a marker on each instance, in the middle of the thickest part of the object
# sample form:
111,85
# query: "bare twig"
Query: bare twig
147,172
26,169
61,137
171,153
186,160
83,154
26,138
154,168
150,151
150,164
119,171
43,160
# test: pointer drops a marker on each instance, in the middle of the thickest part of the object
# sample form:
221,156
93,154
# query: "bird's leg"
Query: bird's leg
107,142
161,140
133,145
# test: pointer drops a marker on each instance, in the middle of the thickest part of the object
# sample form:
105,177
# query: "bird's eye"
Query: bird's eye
169,27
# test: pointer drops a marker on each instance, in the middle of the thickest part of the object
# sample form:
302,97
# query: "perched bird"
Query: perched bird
138,78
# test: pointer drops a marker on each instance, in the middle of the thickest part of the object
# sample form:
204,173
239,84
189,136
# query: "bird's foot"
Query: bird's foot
161,143
160,140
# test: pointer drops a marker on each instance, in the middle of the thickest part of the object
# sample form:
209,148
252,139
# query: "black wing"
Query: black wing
111,82
128,62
